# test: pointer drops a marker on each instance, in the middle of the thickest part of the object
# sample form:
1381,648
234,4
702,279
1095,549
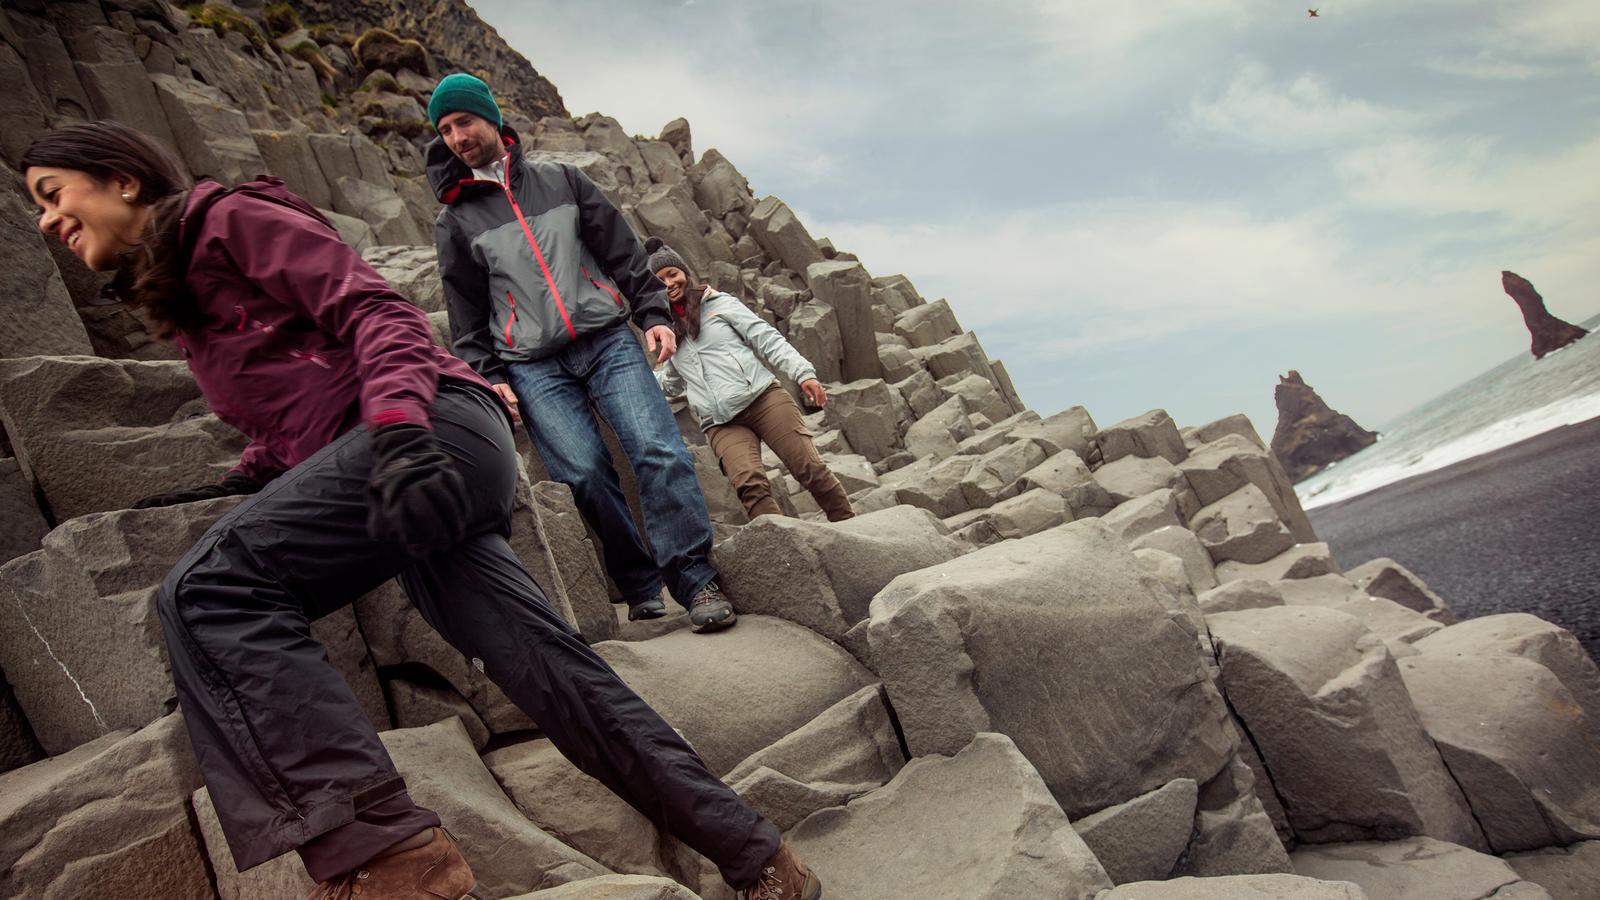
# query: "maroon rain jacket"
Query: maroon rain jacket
304,339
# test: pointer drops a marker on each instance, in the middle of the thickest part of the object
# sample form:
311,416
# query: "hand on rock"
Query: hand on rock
416,498
816,395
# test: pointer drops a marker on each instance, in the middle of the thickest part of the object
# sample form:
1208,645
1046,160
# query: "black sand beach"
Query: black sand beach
1516,530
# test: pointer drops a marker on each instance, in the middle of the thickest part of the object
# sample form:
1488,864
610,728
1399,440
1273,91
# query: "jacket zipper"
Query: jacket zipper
614,295
539,255
511,321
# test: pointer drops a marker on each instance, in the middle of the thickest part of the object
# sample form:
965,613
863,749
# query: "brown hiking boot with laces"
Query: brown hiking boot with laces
784,877
433,871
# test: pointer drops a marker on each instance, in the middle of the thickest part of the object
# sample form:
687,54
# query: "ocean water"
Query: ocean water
1512,402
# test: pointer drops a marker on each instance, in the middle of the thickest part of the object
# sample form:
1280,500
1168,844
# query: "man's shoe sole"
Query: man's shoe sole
718,625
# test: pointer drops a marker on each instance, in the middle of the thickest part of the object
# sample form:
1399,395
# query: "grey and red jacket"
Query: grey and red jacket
530,265
304,340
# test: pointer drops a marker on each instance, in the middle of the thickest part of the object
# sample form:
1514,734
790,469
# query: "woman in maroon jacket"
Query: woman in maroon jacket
373,454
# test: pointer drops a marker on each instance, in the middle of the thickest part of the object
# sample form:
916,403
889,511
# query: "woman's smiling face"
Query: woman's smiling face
675,280
95,219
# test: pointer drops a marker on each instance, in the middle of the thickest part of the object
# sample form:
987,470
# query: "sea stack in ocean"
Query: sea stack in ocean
1549,333
1311,435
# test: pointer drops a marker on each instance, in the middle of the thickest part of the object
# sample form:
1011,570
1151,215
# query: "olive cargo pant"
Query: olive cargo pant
774,418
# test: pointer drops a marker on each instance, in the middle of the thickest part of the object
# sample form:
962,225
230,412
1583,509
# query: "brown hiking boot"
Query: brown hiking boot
784,878
430,872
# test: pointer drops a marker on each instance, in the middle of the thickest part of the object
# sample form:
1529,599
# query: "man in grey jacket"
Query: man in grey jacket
541,276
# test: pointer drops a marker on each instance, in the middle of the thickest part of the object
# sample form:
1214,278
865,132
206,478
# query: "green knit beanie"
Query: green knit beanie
462,93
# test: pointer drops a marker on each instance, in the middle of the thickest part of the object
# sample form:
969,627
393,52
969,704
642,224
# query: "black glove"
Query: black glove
416,498
234,483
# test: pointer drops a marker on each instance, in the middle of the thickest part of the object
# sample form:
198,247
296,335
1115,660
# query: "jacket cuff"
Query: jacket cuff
402,412
650,318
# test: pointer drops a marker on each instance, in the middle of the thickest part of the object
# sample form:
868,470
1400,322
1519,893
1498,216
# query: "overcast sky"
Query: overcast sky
1157,204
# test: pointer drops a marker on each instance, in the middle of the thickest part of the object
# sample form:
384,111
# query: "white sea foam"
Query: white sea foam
1501,434
1516,400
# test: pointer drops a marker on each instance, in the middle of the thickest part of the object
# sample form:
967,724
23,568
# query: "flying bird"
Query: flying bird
1312,13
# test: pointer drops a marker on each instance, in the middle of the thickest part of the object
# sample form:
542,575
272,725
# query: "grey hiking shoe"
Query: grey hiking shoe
710,609
654,608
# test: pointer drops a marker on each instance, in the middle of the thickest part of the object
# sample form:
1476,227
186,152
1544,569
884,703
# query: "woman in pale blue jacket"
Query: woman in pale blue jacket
740,405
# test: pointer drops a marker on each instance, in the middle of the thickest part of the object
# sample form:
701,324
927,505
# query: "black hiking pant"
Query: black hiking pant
289,758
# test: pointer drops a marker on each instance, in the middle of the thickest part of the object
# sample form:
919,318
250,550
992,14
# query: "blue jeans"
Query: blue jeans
608,369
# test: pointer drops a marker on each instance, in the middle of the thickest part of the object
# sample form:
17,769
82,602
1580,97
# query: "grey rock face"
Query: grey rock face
84,651
865,411
927,325
938,432
576,809
1325,705
1233,887
397,634
824,574
782,237
959,355
848,750
98,434
1029,513
411,270
980,394
985,642
1071,429
735,692
1528,637
615,887
1417,867
508,853
1135,476
1568,873
572,561
37,317
1140,840
124,795
1233,596
668,212
720,190
1151,434
1242,527
814,332
21,523
282,877
1517,742
1235,829
1013,840
845,286
1299,561
211,133
1386,578
416,705
1066,474
1138,517
1238,423
1230,462
1182,543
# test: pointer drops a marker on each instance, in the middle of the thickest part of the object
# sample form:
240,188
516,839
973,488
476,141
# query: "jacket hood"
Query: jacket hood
446,172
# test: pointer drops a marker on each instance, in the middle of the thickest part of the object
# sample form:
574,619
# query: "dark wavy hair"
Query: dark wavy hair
151,276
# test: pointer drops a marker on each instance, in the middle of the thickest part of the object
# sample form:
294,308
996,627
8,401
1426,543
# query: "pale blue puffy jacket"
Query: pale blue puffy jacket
720,370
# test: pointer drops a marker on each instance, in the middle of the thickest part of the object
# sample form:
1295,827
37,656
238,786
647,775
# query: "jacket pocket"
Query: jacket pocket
511,319
604,287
